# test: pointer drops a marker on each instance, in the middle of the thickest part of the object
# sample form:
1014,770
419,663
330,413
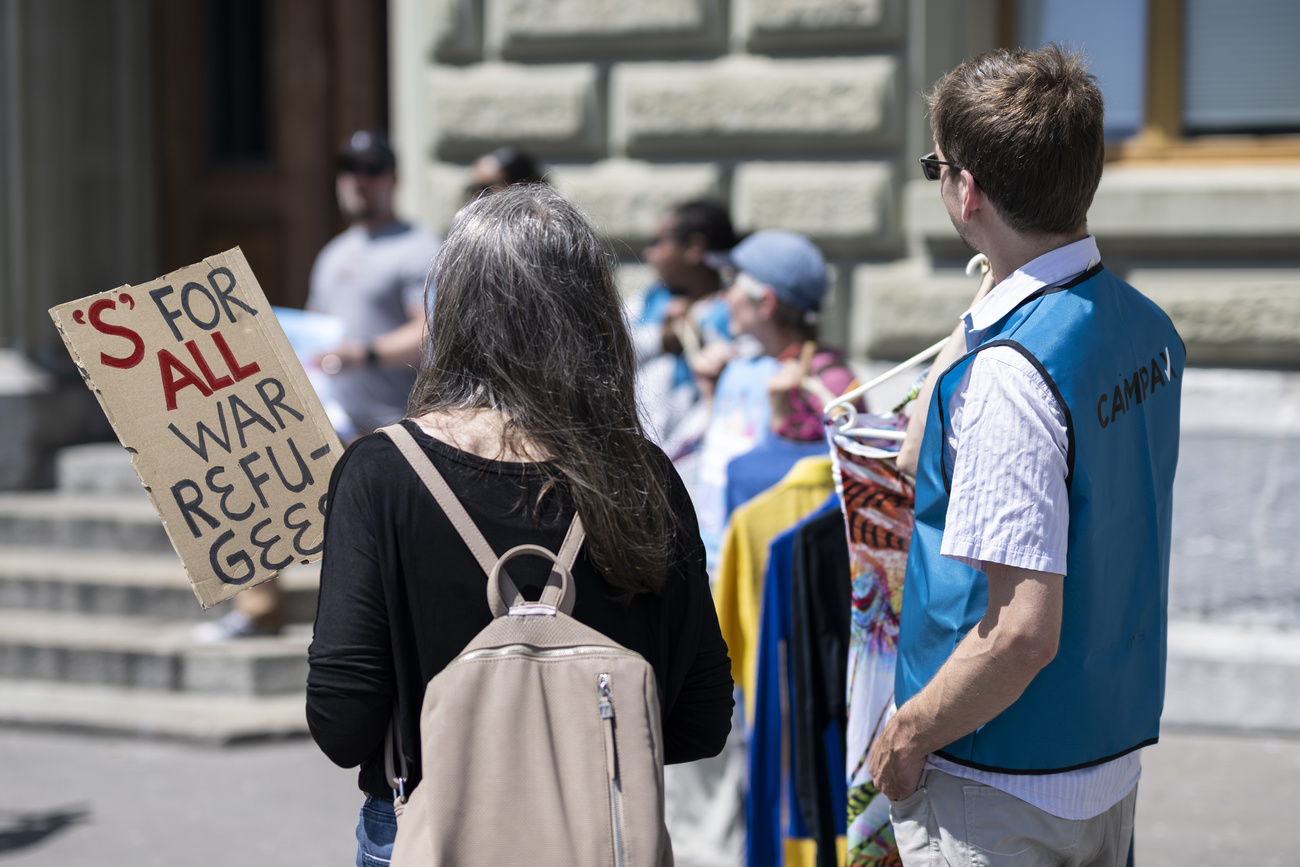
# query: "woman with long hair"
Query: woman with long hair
524,402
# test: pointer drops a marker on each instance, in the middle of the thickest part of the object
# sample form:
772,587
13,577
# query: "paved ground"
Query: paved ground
66,801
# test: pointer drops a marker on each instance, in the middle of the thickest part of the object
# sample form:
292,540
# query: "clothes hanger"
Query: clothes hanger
841,415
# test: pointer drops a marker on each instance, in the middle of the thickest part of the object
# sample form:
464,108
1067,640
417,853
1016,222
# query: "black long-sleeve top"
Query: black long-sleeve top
401,595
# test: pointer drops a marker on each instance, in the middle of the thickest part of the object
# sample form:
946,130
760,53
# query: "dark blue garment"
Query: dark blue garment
764,465
1114,363
774,732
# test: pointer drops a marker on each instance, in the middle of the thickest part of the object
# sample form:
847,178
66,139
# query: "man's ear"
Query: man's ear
767,306
972,197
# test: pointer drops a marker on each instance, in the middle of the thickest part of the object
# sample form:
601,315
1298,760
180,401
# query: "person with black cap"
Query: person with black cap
372,277
676,318
498,169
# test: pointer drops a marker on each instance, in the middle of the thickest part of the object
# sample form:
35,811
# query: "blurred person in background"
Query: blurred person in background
677,319
780,384
502,167
372,277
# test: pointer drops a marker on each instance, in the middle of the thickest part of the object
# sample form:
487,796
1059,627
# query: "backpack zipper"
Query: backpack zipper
606,708
533,652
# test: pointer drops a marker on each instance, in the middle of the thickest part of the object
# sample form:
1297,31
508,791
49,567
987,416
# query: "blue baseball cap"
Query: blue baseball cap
789,263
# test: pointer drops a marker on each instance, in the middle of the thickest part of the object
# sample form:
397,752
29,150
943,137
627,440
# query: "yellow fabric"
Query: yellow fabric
802,851
752,528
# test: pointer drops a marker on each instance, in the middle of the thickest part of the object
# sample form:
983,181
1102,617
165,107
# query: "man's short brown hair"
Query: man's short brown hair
1027,125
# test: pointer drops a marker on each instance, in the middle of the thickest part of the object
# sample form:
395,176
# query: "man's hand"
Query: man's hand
348,355
990,668
895,766
675,313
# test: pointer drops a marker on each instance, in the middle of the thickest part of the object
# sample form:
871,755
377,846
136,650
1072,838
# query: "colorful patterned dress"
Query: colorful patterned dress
879,511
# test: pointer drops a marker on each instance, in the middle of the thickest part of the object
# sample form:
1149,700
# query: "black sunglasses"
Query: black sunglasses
931,166
357,167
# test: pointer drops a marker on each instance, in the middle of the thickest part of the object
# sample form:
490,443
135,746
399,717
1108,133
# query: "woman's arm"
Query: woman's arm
697,719
350,682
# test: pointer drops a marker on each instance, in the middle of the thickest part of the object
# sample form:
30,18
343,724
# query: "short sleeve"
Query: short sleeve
1009,502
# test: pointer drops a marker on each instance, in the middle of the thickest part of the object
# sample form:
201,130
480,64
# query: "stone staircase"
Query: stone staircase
97,616
97,621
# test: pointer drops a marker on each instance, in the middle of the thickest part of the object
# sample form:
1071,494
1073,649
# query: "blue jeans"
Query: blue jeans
376,831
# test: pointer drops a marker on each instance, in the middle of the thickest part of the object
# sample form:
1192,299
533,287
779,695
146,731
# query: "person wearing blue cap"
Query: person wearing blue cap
774,298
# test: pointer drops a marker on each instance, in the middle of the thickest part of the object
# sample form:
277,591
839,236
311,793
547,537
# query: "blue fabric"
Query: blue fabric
657,297
376,831
741,419
764,465
769,784
1116,363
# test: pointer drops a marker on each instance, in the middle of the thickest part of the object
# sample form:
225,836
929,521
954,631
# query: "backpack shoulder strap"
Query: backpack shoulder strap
464,524
437,485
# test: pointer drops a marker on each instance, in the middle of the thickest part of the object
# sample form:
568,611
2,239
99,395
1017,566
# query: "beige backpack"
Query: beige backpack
541,743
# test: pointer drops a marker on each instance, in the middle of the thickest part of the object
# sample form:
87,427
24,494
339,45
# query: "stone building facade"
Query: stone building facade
807,115
803,114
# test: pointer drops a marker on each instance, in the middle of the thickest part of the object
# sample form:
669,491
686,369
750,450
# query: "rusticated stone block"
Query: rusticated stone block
457,30
1145,212
899,310
553,110
624,198
448,185
775,25
1230,317
757,105
847,208
567,28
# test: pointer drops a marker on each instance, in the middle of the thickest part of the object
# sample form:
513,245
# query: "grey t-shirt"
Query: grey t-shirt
370,280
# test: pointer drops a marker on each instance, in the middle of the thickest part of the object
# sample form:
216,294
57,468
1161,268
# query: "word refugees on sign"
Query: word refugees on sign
225,431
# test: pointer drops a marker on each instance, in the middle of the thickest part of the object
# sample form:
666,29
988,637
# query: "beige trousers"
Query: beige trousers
954,822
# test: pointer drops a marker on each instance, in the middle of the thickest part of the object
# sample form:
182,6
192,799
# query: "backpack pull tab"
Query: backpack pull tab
606,706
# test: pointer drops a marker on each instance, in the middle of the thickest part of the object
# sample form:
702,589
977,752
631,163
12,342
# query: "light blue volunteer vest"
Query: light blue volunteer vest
1114,363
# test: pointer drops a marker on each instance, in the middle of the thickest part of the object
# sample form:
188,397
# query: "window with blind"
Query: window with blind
1179,73
1241,66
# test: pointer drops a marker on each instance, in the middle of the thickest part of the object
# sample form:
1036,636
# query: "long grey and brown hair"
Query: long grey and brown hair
527,321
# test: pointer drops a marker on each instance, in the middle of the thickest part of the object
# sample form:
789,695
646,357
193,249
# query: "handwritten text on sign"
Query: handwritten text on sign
229,438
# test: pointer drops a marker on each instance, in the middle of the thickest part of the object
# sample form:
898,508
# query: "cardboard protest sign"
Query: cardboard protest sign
224,430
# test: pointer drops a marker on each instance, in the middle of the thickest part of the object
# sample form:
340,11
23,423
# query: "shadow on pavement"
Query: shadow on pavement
21,830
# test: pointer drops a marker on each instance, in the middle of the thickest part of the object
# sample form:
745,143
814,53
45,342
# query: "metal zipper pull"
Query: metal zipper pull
606,708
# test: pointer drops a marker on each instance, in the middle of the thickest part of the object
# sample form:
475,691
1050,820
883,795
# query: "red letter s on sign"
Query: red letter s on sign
96,319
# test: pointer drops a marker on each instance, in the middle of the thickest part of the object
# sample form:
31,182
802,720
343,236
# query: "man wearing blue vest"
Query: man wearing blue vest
1031,654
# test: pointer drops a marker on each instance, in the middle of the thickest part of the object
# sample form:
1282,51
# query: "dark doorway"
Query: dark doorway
254,97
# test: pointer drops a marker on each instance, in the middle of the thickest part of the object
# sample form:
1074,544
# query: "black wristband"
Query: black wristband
372,357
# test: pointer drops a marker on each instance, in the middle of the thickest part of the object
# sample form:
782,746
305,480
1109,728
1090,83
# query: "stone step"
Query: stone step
1223,676
125,585
215,720
100,522
97,468
146,654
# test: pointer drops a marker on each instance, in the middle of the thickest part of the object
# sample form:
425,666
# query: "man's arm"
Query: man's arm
988,671
401,347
